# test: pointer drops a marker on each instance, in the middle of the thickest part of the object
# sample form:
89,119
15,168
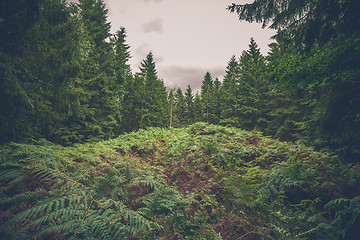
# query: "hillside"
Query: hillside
199,182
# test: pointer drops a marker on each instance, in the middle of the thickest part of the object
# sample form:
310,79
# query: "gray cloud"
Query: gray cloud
176,76
141,52
155,25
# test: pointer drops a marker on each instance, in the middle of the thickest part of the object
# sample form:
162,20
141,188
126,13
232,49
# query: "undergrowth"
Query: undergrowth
200,182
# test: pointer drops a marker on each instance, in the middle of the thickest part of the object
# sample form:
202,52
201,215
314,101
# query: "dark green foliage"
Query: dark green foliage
311,76
324,79
198,106
61,74
189,105
59,203
36,75
93,16
210,99
132,100
179,110
229,93
200,182
307,23
154,95
122,56
65,78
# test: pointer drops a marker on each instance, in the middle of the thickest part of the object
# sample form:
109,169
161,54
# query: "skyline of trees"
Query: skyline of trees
68,79
90,149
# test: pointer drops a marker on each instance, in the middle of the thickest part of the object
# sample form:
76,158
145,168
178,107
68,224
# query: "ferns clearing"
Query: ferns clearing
199,182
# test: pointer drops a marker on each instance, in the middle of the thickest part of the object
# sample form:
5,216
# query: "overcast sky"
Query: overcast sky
186,37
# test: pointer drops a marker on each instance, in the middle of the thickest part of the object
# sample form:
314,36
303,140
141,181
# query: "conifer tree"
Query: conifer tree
39,51
180,108
97,81
198,108
307,23
153,109
189,105
216,102
251,64
206,94
133,103
250,86
124,82
94,17
122,56
171,107
229,93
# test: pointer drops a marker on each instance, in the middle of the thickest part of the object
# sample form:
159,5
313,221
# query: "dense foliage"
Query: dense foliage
83,167
199,182
66,78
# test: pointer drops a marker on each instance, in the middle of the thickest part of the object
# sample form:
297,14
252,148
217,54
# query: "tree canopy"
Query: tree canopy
308,23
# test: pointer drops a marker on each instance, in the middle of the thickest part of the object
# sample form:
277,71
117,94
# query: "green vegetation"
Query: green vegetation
92,150
199,182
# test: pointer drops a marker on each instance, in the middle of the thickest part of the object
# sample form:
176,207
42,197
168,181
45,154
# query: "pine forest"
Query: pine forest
92,149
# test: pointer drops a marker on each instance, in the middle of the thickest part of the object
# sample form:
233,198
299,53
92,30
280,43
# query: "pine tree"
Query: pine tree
216,101
17,18
97,82
189,103
94,17
198,108
122,56
37,67
171,106
307,23
153,109
124,81
133,103
250,87
206,94
229,93
180,108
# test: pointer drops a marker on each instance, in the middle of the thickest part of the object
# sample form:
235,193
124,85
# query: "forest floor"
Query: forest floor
199,182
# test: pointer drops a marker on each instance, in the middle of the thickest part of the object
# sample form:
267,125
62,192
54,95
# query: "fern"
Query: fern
63,205
152,182
23,198
346,212
234,185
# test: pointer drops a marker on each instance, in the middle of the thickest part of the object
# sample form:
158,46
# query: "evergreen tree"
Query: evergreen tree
307,23
93,15
171,107
124,82
216,100
250,87
17,17
325,78
198,108
189,104
97,81
133,103
180,108
122,56
206,94
153,109
37,67
252,65
229,93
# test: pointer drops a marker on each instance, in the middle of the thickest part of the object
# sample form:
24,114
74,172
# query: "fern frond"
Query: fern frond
150,181
26,197
11,176
59,180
